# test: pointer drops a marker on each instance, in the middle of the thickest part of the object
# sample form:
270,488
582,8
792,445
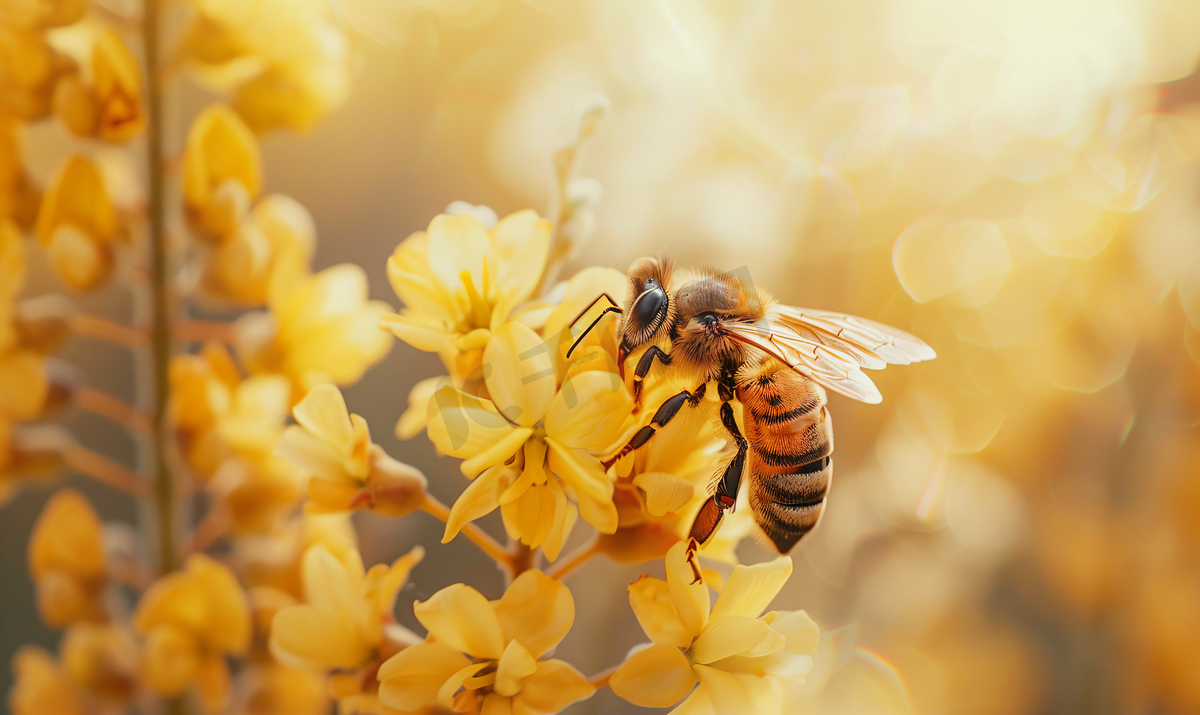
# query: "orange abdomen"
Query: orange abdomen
790,436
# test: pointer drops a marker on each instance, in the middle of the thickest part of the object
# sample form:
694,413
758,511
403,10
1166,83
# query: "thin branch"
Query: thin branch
123,413
90,326
576,559
478,536
103,470
213,526
199,331
599,680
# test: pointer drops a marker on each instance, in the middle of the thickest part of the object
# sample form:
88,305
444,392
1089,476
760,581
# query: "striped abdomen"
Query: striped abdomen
791,439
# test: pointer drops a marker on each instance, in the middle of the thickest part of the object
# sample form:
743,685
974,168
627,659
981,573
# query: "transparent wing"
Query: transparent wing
832,349
858,336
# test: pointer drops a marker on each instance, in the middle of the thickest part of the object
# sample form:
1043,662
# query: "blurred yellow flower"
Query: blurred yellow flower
285,62
530,449
41,687
18,197
459,281
191,620
23,459
103,660
42,14
347,619
78,225
347,470
109,106
257,496
737,654
66,560
271,689
28,70
269,245
487,657
318,328
222,172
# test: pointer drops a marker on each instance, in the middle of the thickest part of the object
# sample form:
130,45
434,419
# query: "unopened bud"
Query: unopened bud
43,323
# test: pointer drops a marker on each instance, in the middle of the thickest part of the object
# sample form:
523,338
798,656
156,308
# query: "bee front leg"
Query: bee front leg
643,369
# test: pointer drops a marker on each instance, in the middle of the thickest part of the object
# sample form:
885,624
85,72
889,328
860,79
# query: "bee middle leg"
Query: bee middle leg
666,412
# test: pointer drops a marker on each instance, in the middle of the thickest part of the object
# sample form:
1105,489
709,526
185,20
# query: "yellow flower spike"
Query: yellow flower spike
222,171
319,328
41,687
66,560
192,619
341,624
347,470
739,658
507,637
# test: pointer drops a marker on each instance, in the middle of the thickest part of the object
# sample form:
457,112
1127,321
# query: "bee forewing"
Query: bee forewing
835,330
828,366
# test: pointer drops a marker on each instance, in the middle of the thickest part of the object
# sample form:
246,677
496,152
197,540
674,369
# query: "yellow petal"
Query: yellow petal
655,610
77,197
457,244
734,635
531,518
464,426
481,497
172,659
212,683
220,147
414,419
67,536
499,452
690,600
521,242
515,665
519,371
463,678
537,611
579,469
323,413
655,677
333,585
533,473
793,666
81,262
410,679
600,513
737,693
396,577
462,618
495,704
588,411
750,589
583,288
554,686
564,521
312,456
418,332
801,631
665,493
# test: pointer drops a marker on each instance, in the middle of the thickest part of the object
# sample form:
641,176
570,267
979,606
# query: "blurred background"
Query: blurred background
1014,530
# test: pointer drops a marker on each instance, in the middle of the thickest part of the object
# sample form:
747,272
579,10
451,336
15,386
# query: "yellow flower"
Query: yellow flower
271,689
103,660
486,656
43,14
28,70
347,618
269,245
217,414
78,225
285,62
259,496
459,281
319,328
18,197
347,470
222,172
25,458
736,653
66,560
191,620
41,687
530,449
110,106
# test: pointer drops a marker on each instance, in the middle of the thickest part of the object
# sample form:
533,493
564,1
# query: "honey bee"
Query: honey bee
777,361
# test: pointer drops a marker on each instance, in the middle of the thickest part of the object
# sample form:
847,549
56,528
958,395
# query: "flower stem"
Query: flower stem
478,536
199,331
90,326
599,680
577,558
103,469
123,413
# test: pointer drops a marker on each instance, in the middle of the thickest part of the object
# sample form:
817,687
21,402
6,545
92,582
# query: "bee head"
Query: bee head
647,304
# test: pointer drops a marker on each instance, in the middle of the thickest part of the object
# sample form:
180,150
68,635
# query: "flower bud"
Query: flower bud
103,659
43,323
66,560
78,225
222,172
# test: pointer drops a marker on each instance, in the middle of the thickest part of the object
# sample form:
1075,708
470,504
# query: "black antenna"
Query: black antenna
611,309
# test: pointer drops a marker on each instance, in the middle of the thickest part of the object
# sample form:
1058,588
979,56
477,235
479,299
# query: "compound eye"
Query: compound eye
651,304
